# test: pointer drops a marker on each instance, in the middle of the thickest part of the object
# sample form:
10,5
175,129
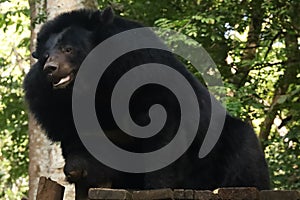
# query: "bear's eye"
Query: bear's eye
68,50
46,55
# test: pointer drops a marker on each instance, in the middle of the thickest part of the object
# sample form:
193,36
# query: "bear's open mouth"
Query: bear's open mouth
63,81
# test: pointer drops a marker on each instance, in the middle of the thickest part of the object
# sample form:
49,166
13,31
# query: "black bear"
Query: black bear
62,45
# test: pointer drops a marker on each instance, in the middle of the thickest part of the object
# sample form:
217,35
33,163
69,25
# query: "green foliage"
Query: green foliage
252,85
13,136
283,154
14,54
258,86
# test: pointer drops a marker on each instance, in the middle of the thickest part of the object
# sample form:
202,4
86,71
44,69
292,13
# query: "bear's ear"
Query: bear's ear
107,15
34,55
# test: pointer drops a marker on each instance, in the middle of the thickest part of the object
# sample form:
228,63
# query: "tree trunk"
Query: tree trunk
55,7
290,70
253,41
45,157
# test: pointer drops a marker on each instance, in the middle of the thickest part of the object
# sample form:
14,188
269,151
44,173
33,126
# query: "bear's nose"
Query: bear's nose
49,68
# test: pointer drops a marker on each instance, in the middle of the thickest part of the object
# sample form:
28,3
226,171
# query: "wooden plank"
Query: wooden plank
238,193
205,195
106,193
50,190
183,194
153,194
279,195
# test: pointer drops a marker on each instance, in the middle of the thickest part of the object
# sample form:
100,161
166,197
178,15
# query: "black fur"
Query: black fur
236,160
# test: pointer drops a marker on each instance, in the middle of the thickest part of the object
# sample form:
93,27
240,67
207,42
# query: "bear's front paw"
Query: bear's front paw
75,175
75,169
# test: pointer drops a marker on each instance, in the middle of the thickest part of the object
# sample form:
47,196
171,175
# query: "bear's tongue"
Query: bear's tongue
61,81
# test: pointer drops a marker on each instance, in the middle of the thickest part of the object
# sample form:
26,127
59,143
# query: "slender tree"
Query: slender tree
290,68
45,157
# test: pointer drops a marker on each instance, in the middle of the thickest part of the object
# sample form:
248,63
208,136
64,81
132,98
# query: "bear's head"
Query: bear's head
64,42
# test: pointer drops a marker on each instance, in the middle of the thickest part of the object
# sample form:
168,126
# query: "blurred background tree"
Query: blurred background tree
44,155
255,44
14,57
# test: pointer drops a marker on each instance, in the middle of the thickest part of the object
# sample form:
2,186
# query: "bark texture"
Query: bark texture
45,156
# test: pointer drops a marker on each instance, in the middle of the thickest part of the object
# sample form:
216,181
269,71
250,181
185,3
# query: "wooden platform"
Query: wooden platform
50,190
219,194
